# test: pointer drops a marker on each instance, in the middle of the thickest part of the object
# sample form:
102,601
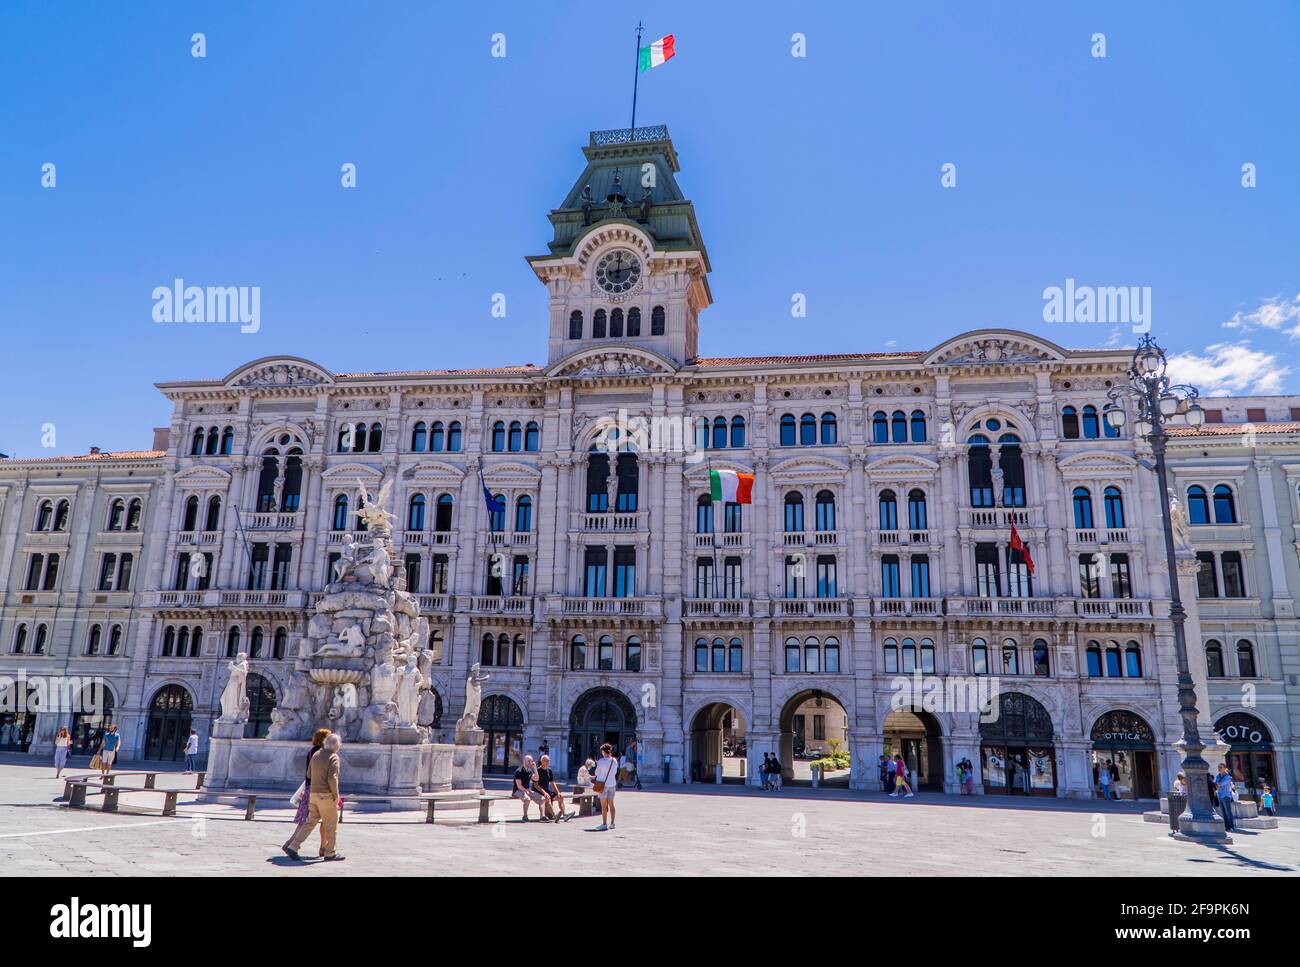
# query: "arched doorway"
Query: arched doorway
18,717
502,722
1250,752
93,716
718,738
170,713
599,716
914,735
814,725
1124,745
261,700
1016,750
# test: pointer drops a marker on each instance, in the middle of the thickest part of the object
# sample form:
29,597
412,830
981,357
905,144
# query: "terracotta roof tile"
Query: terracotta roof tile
1233,429
524,370
90,457
705,361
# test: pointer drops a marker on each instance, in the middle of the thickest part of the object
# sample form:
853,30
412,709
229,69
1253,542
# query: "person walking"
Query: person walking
323,808
777,776
524,791
1180,785
1266,801
766,771
108,749
303,795
1223,786
62,745
1103,779
191,750
633,775
605,785
900,777
544,782
970,778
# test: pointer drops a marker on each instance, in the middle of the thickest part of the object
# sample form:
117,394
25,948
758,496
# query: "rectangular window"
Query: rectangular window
826,583
202,583
921,576
704,577
731,577
35,565
988,575
107,570
438,574
1019,583
519,576
492,579
280,571
1234,578
1256,415
625,572
1207,578
413,573
257,566
182,582
127,561
890,580
795,577
1214,416
819,727
1089,576
1121,580
595,563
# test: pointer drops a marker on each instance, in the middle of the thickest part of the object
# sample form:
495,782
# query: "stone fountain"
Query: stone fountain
361,671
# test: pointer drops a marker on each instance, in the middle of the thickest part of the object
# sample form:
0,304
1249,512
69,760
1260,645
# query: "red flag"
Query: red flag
1018,545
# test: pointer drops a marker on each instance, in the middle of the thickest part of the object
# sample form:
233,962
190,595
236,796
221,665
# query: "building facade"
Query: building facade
612,599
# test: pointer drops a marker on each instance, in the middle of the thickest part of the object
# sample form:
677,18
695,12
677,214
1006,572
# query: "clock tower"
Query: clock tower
627,265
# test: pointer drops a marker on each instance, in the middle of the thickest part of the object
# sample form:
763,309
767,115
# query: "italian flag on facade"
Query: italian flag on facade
658,52
729,487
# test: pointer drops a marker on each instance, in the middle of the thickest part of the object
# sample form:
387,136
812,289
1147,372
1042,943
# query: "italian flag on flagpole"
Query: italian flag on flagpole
658,52
730,487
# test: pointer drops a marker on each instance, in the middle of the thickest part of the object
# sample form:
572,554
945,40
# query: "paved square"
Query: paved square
662,830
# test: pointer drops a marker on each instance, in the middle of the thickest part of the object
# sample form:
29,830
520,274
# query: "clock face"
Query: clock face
618,271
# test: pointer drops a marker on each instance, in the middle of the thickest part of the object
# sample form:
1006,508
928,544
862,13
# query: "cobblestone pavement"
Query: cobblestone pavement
661,830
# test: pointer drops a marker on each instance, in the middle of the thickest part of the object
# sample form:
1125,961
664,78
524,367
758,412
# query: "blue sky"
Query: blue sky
818,175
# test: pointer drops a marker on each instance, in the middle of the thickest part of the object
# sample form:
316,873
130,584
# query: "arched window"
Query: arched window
213,442
1042,666
909,656
1245,659
616,324
575,324
633,321
532,437
1214,659
807,430
879,427
787,430
1012,464
598,324
116,515
419,437
376,437
702,433
891,656
979,461
437,437
1082,508
212,521
44,516
812,656
1198,505
794,512
1093,653
927,656
196,642
1113,669
232,642
183,642
415,514
442,516
345,438
1010,657
979,656
737,431
61,515
503,650
898,427
190,519
704,514
92,643
280,643
830,430
227,441
133,512
1133,660
1070,423
720,433
340,522
255,643
792,660
487,653
732,518
498,436
888,505
701,654
168,642
1114,502
114,641
735,655
1225,509
359,438
917,519
918,426
523,514
196,442
825,510
1091,428
20,640
632,654
657,321
454,435
516,436
497,518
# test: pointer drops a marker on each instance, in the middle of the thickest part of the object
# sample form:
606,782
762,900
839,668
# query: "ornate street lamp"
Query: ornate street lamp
1159,403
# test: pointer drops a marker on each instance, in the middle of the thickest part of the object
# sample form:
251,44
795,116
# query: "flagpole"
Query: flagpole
713,535
635,80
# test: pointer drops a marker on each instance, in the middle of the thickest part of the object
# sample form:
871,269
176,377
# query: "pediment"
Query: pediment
611,363
511,475
701,470
993,346
436,472
806,467
203,477
286,372
353,473
1096,464
901,466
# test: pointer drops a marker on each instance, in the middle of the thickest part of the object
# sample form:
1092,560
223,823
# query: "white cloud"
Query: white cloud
1278,313
1229,369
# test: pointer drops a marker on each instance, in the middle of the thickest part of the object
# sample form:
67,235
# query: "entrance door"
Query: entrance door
1144,774
600,716
169,723
502,722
